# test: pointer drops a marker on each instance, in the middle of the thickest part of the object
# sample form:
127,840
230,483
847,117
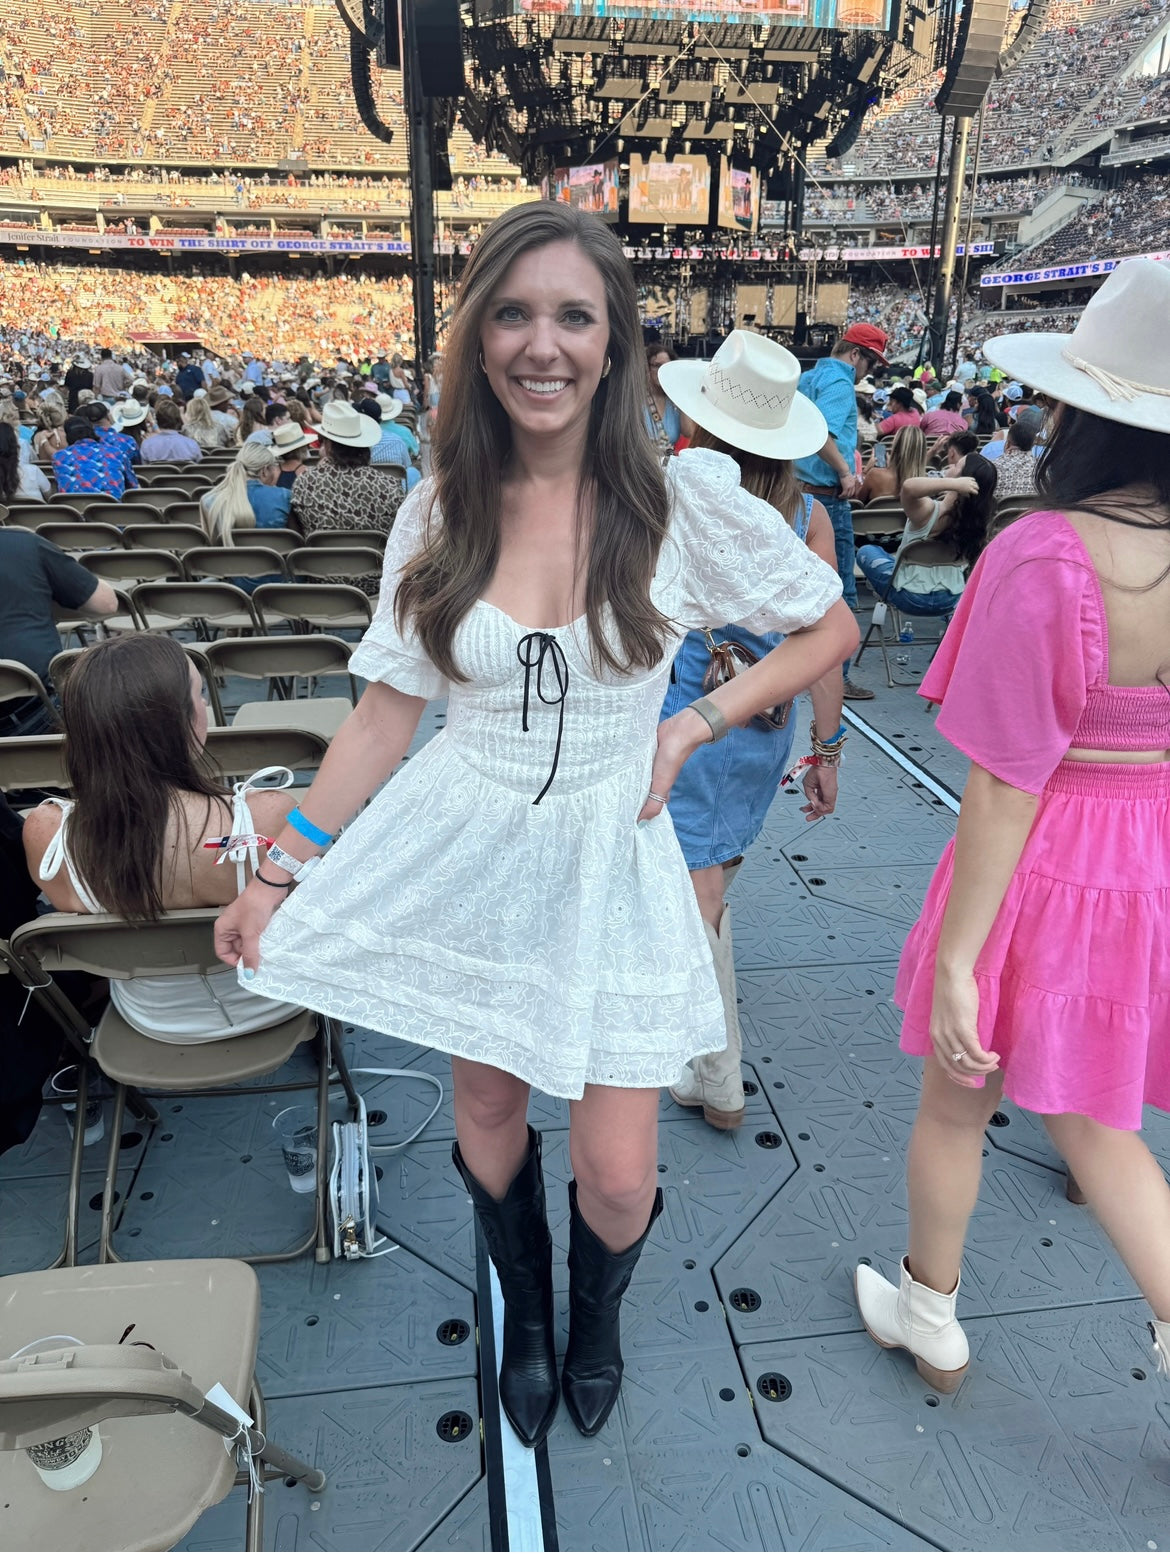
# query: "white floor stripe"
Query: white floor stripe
904,761
525,1528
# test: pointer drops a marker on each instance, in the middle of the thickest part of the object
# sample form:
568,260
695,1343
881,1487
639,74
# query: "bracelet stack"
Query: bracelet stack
712,717
827,752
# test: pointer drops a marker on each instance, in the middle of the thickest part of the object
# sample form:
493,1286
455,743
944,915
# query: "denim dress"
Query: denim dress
722,795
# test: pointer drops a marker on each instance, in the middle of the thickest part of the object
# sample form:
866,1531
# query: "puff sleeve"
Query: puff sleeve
731,559
1026,643
385,653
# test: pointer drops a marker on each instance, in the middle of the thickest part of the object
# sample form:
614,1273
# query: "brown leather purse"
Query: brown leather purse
727,659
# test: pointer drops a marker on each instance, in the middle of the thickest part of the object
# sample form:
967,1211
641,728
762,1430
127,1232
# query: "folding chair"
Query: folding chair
192,484
228,561
1009,508
30,515
125,568
282,540
328,563
18,682
280,661
334,539
80,536
157,497
921,553
94,505
181,512
179,944
200,607
192,1324
33,761
176,538
870,523
238,752
327,606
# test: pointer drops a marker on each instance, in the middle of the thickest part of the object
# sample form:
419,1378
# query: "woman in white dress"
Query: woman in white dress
516,896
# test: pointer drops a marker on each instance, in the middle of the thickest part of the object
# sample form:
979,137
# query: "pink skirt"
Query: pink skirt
1074,980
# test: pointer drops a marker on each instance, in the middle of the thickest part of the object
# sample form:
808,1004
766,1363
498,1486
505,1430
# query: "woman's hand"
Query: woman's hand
965,485
239,926
820,789
954,1030
678,738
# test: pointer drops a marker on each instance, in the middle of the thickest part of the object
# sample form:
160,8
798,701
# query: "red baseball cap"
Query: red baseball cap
869,338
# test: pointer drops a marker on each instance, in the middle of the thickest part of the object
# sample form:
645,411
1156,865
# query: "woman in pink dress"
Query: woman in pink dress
1040,966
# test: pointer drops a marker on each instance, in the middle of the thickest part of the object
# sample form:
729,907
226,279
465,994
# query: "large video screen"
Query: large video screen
592,188
844,14
739,198
675,193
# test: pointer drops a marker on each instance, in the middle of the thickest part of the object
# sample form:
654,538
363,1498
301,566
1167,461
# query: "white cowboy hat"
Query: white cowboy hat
342,423
290,436
391,408
747,396
1114,364
129,413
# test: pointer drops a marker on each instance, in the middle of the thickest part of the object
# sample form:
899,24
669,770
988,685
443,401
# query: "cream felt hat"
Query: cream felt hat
1115,363
747,396
290,436
342,423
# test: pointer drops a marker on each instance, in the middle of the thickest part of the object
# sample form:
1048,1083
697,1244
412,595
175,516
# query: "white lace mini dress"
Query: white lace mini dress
498,900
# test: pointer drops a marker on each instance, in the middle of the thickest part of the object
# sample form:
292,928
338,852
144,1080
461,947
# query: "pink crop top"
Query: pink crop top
1022,673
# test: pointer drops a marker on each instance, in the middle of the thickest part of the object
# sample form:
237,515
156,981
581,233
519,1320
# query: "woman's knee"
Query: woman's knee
621,1178
486,1098
1073,1134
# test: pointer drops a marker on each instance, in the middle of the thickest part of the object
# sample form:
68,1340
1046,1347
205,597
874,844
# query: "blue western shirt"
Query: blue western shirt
830,384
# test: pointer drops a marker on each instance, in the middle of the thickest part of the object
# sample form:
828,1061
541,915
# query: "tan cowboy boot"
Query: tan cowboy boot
714,1081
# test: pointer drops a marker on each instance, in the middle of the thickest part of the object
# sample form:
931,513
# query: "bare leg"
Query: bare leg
943,1168
1128,1192
709,888
491,1112
613,1144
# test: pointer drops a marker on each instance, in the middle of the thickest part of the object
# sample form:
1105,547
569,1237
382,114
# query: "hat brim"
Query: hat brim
805,431
392,411
361,438
1038,360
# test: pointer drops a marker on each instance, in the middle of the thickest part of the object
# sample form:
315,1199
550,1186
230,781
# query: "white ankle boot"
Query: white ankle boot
1160,1333
912,1316
715,1081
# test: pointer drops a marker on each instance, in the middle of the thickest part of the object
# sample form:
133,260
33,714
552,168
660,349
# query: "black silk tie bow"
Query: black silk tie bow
540,650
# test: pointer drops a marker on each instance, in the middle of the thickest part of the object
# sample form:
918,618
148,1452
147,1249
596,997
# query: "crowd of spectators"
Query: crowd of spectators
854,203
1132,219
76,306
1029,110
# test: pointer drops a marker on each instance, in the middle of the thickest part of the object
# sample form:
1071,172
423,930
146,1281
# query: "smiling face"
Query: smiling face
544,338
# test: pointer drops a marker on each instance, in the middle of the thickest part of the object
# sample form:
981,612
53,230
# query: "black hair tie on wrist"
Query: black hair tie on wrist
272,884
534,651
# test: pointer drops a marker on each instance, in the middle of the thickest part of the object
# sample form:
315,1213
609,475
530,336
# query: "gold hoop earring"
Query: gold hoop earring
481,363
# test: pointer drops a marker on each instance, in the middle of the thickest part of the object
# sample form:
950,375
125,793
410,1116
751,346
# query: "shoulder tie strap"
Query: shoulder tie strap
242,824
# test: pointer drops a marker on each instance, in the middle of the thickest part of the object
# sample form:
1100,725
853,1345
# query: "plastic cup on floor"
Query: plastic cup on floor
296,1132
64,1084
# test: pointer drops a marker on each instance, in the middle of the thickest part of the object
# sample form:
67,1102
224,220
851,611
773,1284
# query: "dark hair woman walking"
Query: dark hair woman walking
514,897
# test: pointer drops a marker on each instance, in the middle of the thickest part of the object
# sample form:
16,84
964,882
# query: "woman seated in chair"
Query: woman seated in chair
907,460
957,509
131,840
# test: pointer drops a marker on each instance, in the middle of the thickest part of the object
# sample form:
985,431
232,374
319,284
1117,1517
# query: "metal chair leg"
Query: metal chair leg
67,1257
273,1462
321,1229
106,1253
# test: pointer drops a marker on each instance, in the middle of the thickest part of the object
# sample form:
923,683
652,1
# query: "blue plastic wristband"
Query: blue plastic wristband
307,829
840,734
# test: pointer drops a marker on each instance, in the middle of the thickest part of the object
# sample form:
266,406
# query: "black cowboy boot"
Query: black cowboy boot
516,1232
592,1376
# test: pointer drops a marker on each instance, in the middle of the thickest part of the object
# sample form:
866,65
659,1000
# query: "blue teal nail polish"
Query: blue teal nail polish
248,973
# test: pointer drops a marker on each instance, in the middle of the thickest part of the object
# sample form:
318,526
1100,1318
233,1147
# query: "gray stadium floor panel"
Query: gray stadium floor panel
755,1412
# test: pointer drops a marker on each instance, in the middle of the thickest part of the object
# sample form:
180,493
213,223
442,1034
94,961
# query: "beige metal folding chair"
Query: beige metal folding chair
238,752
327,563
18,682
177,538
228,561
79,535
61,664
179,944
181,512
1009,508
189,1326
281,661
32,761
158,497
326,606
282,540
30,515
125,568
921,553
201,607
333,539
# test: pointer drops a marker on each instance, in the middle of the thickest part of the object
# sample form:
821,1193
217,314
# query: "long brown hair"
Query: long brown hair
130,754
620,478
772,480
